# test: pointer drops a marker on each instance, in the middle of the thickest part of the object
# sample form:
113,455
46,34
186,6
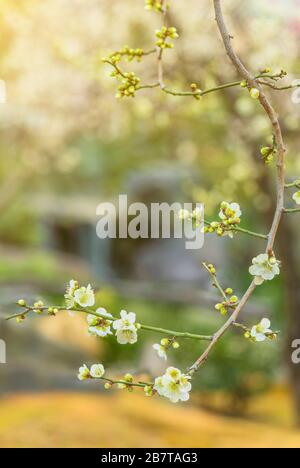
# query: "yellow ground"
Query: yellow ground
124,420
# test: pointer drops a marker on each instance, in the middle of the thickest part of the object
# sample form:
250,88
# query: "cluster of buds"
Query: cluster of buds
230,214
231,303
282,74
195,216
127,52
129,85
127,385
129,81
164,346
196,91
254,92
95,372
211,268
163,35
38,307
157,5
268,152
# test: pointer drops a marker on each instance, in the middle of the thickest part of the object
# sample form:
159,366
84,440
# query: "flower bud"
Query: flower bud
128,378
21,302
164,342
233,299
214,224
148,390
254,93
265,151
20,318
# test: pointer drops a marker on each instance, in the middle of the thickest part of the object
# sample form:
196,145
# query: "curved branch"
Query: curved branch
252,82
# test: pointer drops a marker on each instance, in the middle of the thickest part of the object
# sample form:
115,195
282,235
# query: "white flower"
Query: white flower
173,385
159,385
73,285
173,373
84,296
230,214
69,296
102,330
84,372
296,197
197,215
99,326
104,313
264,268
230,211
126,330
97,371
258,332
184,214
161,351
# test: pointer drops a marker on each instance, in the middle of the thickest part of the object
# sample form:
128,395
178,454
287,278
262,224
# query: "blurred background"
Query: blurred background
66,144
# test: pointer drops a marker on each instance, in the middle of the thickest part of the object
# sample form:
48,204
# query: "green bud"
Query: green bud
128,378
254,93
164,342
214,224
265,150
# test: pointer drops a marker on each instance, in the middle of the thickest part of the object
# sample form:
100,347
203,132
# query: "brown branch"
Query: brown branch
252,82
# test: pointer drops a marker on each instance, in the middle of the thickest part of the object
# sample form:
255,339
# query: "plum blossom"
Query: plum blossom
99,326
126,328
85,296
173,385
230,211
69,296
230,214
161,350
97,371
84,372
296,197
184,214
264,268
260,331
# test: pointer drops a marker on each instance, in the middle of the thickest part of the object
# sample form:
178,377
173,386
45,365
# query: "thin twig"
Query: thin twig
164,331
291,210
